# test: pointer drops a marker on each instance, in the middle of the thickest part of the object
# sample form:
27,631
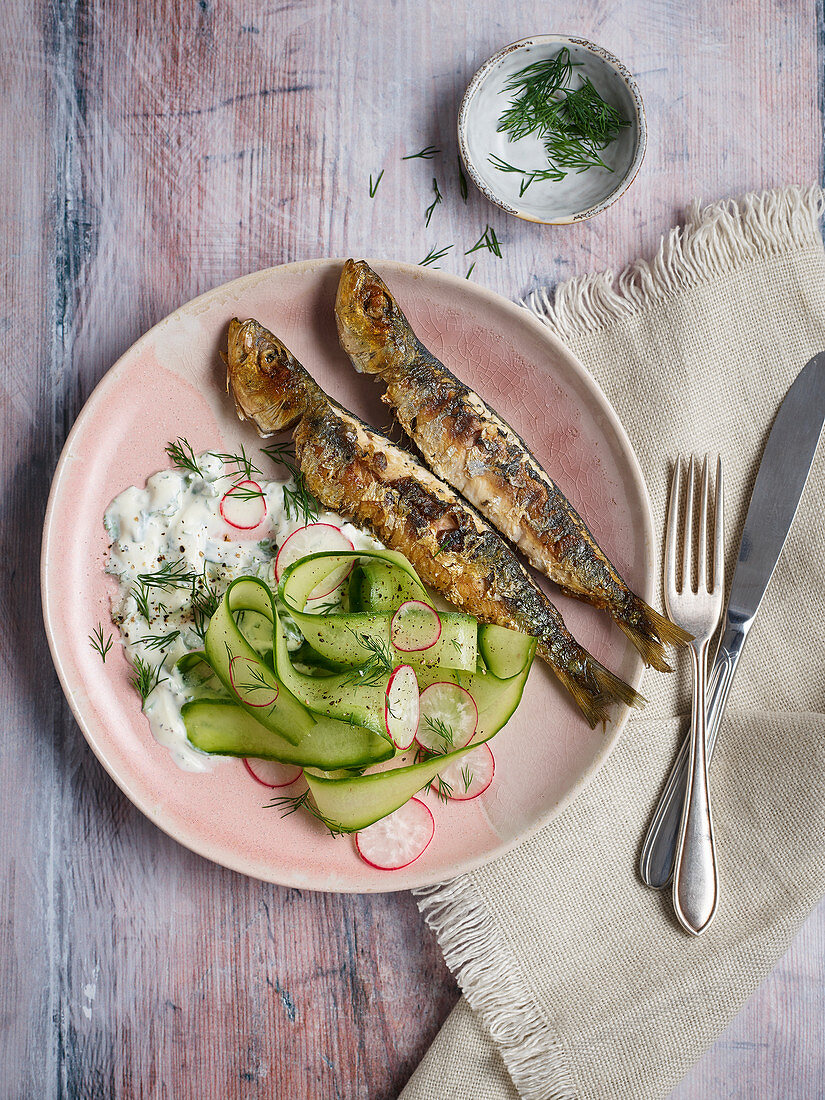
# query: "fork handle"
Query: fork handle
695,886
659,847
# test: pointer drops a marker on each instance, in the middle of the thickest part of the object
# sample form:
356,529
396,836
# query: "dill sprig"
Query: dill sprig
290,804
160,641
536,85
171,575
433,255
462,180
488,240
433,204
440,728
181,454
378,665
298,500
97,643
241,490
205,600
467,777
443,789
528,175
588,115
140,594
427,153
146,678
374,186
242,462
470,270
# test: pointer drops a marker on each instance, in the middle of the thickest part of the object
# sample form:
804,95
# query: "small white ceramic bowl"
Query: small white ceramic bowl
578,195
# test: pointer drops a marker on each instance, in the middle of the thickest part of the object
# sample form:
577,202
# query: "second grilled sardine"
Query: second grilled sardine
468,444
358,472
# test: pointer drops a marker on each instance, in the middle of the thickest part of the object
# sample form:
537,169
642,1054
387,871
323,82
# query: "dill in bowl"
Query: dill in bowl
575,124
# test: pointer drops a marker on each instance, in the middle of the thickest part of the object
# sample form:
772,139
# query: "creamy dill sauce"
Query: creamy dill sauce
176,521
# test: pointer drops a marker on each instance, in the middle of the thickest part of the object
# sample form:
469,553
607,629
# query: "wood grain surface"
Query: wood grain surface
153,149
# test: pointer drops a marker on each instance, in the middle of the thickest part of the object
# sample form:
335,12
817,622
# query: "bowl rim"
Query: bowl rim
619,68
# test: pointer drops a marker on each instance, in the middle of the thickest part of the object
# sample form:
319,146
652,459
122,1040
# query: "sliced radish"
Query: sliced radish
271,773
415,626
249,682
448,719
469,776
315,538
398,839
244,505
401,707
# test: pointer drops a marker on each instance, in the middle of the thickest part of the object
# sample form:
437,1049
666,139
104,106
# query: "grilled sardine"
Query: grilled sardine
468,444
358,472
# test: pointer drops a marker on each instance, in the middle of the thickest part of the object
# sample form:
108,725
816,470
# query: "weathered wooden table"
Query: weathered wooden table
153,149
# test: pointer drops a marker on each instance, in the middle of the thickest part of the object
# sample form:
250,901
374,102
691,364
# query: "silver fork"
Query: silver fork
695,885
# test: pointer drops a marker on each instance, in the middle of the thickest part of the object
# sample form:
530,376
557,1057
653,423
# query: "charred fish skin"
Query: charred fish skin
358,472
468,444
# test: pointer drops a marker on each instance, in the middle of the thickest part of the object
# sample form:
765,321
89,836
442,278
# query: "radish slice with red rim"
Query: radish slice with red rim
398,839
249,680
271,773
401,707
448,719
414,627
315,538
470,776
244,505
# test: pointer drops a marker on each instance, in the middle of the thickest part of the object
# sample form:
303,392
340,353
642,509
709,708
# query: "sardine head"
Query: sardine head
264,377
371,327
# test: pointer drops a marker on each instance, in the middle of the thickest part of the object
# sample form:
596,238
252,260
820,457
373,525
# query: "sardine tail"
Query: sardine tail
596,689
650,632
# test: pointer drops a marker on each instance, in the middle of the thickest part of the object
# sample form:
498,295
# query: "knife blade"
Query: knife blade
783,470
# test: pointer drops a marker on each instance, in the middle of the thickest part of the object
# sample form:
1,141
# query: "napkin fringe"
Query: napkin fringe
716,240
489,976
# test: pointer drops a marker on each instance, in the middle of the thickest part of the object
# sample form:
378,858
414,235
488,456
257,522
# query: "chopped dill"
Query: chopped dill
160,641
374,186
488,240
98,644
434,254
146,678
575,124
427,153
434,203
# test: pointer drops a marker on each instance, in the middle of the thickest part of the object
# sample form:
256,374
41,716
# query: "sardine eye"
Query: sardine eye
376,303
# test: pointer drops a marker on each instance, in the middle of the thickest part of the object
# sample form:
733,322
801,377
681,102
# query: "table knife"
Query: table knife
783,471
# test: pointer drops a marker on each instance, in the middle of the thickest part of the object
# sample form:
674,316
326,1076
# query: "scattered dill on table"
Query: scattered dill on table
434,254
433,204
427,153
374,186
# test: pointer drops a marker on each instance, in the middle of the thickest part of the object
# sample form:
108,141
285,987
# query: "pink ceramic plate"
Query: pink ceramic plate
171,383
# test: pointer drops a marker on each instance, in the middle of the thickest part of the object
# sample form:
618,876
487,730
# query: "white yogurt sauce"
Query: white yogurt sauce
176,520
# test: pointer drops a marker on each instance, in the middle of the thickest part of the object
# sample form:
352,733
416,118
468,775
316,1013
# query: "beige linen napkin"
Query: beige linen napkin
577,981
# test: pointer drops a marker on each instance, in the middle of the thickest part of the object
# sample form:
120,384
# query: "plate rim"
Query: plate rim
193,841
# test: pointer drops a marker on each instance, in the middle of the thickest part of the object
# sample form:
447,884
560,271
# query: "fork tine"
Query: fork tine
719,531
687,544
672,534
703,581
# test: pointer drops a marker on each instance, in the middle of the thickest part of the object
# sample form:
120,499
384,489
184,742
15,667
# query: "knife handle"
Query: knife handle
659,847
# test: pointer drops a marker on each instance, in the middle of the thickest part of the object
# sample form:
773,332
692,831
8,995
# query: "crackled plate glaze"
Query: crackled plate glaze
171,383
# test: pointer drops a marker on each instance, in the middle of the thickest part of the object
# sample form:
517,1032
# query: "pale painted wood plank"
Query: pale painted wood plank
162,148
